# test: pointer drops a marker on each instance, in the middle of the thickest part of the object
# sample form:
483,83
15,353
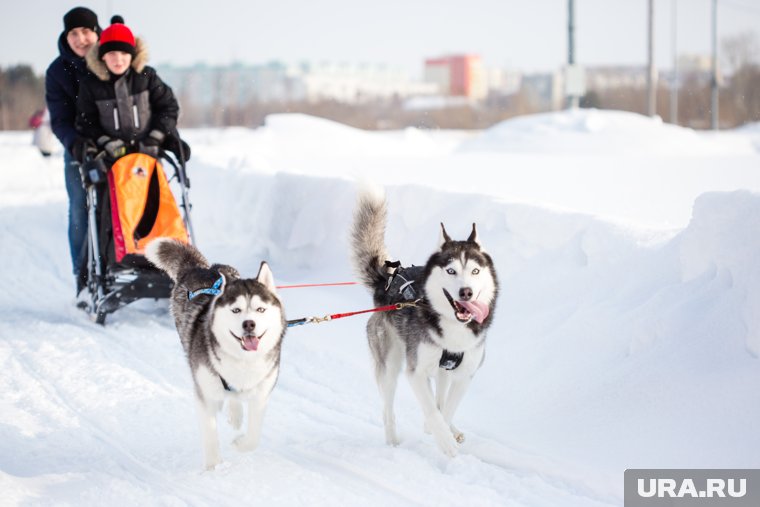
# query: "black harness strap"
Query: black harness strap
392,269
226,385
400,287
450,360
401,280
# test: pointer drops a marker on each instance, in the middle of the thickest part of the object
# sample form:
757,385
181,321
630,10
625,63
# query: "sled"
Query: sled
130,204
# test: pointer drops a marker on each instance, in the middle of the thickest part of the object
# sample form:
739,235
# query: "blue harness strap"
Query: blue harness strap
214,290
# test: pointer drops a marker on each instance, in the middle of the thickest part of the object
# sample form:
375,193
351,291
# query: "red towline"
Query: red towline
299,286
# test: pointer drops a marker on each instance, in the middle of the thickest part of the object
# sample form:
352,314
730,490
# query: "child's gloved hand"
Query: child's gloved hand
114,148
151,144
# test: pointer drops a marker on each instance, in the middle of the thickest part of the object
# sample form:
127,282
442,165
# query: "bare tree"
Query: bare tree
21,94
743,98
739,50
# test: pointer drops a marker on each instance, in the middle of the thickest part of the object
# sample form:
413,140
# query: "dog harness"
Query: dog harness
400,286
226,385
214,290
450,360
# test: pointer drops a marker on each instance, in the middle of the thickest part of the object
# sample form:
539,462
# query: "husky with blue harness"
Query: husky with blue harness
231,329
441,336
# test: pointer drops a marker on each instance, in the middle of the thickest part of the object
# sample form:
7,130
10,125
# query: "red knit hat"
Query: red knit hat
117,37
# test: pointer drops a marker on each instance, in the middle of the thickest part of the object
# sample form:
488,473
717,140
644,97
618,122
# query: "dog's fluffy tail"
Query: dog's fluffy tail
174,256
368,237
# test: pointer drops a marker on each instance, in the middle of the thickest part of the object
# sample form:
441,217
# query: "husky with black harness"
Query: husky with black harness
442,336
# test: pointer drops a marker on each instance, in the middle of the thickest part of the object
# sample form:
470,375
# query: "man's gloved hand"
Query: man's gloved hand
83,148
151,145
114,148
173,144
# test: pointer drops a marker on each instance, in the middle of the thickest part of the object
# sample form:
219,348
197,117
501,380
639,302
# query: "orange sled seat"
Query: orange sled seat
142,205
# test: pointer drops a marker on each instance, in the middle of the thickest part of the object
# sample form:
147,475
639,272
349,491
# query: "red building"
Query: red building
457,75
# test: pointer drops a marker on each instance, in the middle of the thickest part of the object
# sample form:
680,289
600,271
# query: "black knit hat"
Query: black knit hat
80,17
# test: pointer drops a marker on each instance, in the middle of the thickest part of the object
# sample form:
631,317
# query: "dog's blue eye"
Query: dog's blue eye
236,310
475,271
451,271
261,310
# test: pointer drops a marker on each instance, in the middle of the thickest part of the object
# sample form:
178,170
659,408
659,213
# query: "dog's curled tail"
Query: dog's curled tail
174,256
368,237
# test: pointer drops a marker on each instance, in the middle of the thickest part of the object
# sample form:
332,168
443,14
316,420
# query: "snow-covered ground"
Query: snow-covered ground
627,334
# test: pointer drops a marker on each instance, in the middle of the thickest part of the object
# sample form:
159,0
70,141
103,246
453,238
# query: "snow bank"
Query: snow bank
299,136
615,166
26,177
592,132
722,240
753,127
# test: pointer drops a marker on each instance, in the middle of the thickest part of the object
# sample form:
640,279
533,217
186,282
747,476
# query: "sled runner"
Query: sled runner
129,204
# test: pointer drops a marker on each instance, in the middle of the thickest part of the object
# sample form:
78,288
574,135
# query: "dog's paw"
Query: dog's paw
235,414
448,445
392,439
245,444
212,463
211,457
458,435
446,441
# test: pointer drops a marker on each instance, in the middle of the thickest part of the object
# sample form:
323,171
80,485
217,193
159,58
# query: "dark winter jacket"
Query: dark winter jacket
61,90
126,107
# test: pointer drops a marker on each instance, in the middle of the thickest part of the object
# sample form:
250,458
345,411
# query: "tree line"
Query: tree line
22,92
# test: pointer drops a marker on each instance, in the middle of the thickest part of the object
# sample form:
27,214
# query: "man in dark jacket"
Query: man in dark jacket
80,33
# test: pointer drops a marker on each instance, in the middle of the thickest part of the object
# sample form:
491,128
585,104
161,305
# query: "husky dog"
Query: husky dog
442,336
231,329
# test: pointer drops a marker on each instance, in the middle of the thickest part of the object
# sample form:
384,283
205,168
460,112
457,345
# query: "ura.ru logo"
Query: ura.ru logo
715,488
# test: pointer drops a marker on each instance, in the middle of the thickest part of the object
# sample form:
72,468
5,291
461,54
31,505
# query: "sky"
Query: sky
519,35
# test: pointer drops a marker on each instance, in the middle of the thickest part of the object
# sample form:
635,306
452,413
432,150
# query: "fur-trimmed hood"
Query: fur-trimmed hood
98,66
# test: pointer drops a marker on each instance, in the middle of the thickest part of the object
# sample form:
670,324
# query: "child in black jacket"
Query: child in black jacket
124,106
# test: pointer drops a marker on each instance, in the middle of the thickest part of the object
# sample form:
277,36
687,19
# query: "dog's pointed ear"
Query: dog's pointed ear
229,272
445,238
265,277
474,236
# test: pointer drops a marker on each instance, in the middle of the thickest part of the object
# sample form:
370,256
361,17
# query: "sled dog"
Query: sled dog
442,337
231,329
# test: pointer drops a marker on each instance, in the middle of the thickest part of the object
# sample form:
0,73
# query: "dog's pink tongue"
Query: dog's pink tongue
250,343
478,309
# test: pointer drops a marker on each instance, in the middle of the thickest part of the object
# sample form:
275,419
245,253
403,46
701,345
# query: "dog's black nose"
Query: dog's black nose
465,294
248,326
